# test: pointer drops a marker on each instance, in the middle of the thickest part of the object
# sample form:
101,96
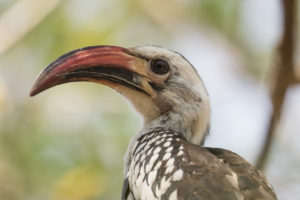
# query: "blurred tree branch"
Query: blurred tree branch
22,17
285,76
297,74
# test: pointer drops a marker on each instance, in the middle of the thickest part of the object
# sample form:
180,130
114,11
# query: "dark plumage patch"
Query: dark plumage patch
207,173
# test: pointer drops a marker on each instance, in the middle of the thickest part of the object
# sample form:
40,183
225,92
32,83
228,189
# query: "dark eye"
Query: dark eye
160,66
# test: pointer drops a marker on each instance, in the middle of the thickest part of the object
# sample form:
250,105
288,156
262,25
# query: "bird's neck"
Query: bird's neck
191,123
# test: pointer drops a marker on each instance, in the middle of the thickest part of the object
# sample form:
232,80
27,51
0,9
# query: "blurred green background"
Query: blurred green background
69,142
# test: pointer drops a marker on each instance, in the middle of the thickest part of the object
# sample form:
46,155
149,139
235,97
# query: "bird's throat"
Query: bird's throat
192,127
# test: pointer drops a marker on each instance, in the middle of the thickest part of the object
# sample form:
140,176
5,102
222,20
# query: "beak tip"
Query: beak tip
33,91
36,88
56,73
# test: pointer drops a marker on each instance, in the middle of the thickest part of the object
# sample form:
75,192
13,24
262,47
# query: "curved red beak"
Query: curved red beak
109,65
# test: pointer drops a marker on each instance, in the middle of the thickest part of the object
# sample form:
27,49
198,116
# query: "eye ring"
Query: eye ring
159,66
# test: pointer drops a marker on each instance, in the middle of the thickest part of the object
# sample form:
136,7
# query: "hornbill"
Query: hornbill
166,159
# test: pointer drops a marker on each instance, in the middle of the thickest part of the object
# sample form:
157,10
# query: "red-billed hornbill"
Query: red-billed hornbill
165,160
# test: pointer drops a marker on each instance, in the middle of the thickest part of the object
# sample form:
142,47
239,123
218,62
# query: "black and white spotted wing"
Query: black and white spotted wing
165,166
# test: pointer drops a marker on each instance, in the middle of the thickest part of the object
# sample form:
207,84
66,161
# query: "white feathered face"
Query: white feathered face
180,94
171,75
161,84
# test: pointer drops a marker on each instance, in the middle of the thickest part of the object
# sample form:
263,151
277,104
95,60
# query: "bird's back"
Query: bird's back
164,165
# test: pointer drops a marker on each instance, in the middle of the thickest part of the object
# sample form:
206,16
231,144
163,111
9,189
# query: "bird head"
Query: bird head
161,84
